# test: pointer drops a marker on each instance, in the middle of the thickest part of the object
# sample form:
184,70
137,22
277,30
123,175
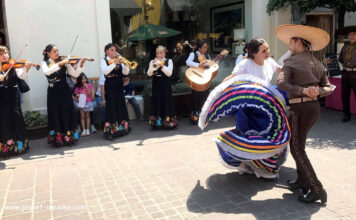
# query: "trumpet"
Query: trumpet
156,65
131,64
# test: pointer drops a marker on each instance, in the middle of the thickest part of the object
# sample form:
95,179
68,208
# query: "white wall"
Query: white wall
40,22
260,24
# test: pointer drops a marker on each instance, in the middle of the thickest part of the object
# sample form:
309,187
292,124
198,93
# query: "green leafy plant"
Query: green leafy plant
339,6
34,119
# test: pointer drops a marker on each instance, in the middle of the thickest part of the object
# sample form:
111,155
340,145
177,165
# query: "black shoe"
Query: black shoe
294,185
346,118
108,136
313,197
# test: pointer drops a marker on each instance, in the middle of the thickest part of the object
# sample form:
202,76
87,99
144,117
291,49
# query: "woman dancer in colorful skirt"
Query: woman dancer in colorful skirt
258,144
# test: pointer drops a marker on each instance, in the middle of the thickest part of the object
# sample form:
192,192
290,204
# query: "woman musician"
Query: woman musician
60,108
12,126
196,59
163,114
116,116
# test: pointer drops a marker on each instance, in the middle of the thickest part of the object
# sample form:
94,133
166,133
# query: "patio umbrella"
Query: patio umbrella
151,31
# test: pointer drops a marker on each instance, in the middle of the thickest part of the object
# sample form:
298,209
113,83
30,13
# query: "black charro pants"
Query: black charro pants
348,83
302,118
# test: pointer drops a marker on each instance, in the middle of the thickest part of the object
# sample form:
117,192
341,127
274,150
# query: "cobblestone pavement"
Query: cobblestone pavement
173,175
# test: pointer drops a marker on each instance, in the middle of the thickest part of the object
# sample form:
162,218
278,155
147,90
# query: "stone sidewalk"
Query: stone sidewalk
173,175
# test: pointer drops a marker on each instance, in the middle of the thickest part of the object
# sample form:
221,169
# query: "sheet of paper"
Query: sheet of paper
82,101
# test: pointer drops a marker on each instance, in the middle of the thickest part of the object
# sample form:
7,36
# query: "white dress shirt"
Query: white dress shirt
240,58
100,83
106,69
21,73
249,66
55,67
190,61
167,70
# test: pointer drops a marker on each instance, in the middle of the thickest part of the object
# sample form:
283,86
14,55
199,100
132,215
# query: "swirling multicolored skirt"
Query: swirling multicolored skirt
262,131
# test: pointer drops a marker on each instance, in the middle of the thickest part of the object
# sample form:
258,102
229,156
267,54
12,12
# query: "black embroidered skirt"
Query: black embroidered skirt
12,126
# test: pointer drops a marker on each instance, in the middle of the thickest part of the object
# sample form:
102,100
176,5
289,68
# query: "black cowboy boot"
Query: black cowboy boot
346,118
313,197
297,184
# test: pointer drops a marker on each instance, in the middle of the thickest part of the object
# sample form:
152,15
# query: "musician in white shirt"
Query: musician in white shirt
196,59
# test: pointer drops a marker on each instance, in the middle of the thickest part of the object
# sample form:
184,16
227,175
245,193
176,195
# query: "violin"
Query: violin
75,59
12,63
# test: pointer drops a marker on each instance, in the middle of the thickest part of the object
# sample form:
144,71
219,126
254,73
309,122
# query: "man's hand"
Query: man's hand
311,91
314,91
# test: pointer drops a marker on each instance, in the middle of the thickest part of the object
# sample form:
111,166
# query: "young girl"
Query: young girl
162,106
116,116
60,106
198,97
12,126
83,87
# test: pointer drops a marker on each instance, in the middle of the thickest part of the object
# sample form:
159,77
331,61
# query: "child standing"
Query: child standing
83,87
163,113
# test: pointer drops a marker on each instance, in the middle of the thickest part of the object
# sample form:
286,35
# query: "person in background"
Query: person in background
83,87
242,56
179,59
71,81
284,57
100,98
348,79
129,92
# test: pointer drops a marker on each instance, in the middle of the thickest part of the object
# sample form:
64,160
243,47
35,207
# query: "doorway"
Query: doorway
323,21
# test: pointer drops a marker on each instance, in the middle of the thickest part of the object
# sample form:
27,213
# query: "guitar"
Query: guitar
199,78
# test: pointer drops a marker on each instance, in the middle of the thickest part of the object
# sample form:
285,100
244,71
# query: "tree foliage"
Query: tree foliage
308,5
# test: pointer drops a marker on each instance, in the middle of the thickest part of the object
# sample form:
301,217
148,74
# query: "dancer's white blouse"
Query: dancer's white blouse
265,72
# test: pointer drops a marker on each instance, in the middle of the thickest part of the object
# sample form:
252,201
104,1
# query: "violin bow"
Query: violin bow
75,41
18,56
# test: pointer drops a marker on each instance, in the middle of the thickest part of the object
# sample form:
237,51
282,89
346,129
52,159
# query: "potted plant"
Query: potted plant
36,125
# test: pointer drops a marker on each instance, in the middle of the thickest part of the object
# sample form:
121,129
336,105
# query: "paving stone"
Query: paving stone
174,175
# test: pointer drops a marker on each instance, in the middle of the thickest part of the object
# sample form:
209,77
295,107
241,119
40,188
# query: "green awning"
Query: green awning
151,31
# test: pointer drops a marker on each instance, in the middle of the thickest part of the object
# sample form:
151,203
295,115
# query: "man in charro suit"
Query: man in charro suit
348,59
304,79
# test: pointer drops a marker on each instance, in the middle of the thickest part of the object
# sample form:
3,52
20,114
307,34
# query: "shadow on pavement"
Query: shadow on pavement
329,131
141,132
232,193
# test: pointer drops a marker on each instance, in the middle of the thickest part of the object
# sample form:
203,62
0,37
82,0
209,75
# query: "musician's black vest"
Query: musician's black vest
58,75
116,72
11,79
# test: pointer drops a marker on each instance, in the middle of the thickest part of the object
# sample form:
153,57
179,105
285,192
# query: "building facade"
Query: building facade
98,22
